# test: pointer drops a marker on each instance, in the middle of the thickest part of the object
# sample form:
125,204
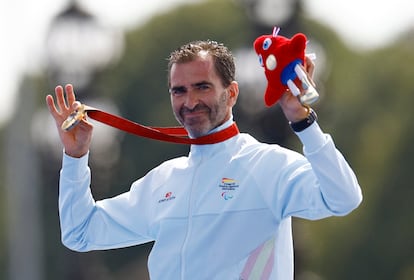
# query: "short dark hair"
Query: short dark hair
222,57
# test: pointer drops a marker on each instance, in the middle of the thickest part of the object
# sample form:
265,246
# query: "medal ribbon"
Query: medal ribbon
167,134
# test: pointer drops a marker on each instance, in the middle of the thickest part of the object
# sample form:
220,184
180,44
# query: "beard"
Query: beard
201,119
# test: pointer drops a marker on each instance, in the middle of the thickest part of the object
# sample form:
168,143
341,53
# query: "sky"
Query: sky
362,24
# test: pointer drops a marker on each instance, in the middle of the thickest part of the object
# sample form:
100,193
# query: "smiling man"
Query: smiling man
200,99
222,212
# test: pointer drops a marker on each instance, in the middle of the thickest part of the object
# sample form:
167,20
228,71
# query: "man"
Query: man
223,212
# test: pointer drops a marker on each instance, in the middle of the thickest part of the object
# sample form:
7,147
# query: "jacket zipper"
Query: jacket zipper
190,216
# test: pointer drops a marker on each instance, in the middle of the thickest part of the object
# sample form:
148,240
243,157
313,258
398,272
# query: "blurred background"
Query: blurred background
114,52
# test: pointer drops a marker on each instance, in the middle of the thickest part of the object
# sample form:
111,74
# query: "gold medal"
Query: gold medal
74,118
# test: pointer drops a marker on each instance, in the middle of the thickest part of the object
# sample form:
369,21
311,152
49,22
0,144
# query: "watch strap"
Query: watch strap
305,123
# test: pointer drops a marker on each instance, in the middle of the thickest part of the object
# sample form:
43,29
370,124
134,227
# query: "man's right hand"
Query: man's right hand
77,140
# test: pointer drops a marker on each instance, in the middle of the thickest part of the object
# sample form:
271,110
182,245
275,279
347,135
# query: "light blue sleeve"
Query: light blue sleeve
336,180
312,186
87,225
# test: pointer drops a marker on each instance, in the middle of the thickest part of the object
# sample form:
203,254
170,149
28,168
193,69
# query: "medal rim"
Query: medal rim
73,119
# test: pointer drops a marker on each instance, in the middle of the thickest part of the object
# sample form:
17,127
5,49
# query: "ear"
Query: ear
233,90
298,43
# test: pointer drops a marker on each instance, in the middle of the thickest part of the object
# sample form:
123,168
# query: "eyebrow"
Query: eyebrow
178,88
201,83
183,88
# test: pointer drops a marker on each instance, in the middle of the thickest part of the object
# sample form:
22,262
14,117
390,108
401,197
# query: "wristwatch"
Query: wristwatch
305,123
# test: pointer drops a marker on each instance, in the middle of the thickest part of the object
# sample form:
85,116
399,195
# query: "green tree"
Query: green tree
370,118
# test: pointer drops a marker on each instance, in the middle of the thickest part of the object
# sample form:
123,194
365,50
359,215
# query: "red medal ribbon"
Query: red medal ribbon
167,134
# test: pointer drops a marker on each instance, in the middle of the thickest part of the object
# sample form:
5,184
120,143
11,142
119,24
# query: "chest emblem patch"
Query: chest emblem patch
228,184
228,187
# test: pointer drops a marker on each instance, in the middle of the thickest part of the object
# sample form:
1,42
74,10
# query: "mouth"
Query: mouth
194,113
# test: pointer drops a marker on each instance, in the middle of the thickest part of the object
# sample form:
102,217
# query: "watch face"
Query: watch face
73,119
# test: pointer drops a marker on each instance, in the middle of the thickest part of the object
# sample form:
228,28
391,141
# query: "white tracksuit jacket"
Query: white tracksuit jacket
224,212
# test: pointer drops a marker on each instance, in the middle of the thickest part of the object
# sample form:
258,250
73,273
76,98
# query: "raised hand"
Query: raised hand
76,142
291,106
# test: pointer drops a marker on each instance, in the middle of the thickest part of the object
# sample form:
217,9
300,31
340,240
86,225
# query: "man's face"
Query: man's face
199,100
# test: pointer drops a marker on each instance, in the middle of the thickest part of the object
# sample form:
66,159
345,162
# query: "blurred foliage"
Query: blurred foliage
370,119
3,207
366,99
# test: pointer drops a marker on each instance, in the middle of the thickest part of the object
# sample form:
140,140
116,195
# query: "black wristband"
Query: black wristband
305,123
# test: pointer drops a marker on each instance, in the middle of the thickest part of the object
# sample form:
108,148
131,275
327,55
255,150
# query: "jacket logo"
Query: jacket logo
228,184
228,187
167,197
226,195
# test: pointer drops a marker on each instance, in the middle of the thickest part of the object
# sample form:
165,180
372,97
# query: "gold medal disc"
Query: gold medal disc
73,119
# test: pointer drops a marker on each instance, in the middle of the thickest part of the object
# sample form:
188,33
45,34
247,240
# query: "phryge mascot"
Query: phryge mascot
282,59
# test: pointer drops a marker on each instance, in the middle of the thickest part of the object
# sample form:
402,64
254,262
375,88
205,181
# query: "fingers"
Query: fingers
309,69
70,94
64,103
310,66
76,105
51,105
60,99
71,104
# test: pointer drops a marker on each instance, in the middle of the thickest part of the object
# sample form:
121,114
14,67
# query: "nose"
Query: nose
191,100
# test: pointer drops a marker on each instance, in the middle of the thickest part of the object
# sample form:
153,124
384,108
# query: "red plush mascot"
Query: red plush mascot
282,59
